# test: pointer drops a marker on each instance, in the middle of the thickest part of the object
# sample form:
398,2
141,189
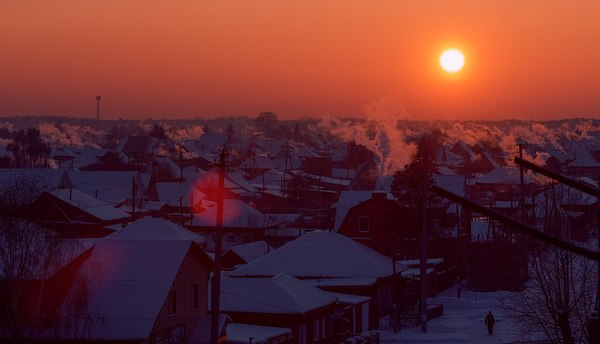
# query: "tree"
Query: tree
560,294
410,184
28,148
158,132
33,299
266,121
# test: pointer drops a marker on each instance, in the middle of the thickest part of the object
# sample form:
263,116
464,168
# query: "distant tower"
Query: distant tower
98,108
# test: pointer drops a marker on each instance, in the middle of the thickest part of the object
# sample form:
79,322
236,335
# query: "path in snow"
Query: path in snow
462,322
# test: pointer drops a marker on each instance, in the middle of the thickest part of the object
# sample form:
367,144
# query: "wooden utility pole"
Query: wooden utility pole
423,261
132,196
216,280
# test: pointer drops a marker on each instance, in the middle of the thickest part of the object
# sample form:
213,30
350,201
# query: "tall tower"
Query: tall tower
98,108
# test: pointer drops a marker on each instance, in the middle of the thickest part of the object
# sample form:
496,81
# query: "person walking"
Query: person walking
490,321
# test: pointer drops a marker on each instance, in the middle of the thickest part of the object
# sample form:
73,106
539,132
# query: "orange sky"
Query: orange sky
536,59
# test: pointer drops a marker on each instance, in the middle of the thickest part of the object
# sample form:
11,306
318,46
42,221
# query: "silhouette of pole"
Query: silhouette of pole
98,108
423,260
216,280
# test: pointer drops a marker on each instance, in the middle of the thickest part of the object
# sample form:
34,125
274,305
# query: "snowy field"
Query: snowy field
462,322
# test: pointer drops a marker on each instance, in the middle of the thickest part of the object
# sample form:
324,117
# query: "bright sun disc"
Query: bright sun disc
452,60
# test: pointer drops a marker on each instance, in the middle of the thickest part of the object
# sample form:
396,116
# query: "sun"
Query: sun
452,60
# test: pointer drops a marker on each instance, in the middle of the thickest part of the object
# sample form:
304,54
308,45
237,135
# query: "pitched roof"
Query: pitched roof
89,204
250,251
49,179
156,229
236,213
347,200
501,175
320,254
214,139
134,279
112,187
281,294
239,334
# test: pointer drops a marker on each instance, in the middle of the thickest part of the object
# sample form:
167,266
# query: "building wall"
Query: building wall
193,271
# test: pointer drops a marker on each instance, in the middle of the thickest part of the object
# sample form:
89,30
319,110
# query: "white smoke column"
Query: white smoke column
186,133
379,132
71,135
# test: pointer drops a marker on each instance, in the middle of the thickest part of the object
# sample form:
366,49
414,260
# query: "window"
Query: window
302,334
172,302
195,298
363,224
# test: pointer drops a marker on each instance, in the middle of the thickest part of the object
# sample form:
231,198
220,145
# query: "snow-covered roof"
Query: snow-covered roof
325,179
444,156
169,193
281,294
89,204
156,229
250,251
320,255
112,187
257,162
342,282
306,152
272,177
501,175
240,181
213,139
454,184
239,334
465,147
347,200
48,179
350,299
236,213
343,173
134,278
583,159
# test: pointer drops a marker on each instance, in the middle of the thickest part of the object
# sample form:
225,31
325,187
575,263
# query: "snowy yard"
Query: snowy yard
462,322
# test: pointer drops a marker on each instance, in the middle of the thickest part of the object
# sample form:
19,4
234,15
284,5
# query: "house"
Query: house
112,187
73,213
369,217
140,149
241,334
583,164
245,253
150,284
255,165
336,263
241,223
280,301
376,220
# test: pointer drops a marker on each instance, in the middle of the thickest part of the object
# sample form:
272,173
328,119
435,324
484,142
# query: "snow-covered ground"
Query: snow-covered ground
462,322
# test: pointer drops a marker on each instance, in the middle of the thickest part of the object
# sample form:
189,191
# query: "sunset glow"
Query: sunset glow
210,58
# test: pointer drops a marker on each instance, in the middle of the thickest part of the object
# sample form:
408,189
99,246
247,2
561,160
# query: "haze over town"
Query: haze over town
299,172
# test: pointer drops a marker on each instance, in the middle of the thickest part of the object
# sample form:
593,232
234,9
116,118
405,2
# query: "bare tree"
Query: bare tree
42,290
559,296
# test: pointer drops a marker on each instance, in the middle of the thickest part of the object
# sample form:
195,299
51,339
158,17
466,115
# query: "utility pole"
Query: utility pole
132,196
423,260
98,108
523,210
216,280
